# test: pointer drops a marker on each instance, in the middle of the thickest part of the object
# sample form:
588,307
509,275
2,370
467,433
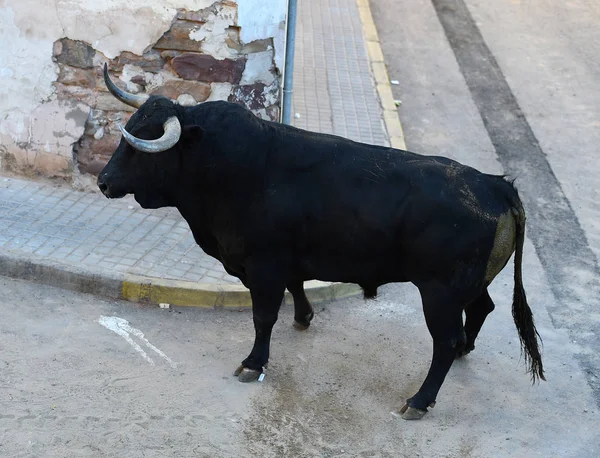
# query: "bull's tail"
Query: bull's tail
521,312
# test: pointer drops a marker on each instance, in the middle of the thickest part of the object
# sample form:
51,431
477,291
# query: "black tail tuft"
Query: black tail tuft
521,312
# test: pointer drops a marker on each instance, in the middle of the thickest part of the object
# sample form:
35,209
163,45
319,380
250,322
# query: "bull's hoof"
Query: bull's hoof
411,413
465,350
302,324
246,375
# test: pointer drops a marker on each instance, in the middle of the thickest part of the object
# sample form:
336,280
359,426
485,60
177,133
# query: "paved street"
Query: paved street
510,87
72,387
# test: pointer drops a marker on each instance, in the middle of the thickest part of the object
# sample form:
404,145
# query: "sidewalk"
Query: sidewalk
114,248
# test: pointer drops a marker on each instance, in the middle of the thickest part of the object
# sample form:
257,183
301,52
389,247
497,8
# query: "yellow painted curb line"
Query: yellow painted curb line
213,295
151,290
382,81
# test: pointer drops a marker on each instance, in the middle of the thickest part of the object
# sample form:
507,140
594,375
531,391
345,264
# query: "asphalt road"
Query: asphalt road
513,87
80,376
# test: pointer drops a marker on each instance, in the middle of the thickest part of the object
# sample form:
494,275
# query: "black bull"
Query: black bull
279,206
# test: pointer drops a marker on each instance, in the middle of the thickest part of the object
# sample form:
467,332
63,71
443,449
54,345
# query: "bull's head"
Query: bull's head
144,158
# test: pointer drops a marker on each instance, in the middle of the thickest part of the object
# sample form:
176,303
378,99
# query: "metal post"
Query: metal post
288,75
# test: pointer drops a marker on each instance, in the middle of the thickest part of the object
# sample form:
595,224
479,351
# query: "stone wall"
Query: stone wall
205,54
177,66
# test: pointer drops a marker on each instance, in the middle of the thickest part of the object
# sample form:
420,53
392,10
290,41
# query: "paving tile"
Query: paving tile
127,262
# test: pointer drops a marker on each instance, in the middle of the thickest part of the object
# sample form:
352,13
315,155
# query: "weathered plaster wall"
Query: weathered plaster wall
52,97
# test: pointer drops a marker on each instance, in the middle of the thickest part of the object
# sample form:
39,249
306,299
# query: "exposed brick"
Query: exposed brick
96,120
57,48
193,16
139,79
254,96
257,46
223,8
74,53
174,88
151,61
94,167
169,54
73,76
250,95
273,112
80,78
93,154
108,102
201,67
80,94
178,37
118,116
233,38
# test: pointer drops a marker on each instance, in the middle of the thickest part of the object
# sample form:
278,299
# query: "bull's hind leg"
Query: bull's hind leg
476,313
303,310
443,315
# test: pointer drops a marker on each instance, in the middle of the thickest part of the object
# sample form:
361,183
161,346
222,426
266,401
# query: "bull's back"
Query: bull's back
345,210
377,212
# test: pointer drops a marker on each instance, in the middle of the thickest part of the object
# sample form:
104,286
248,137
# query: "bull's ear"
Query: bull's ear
192,133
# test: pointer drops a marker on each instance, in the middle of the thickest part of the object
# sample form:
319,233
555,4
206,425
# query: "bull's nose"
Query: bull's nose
102,185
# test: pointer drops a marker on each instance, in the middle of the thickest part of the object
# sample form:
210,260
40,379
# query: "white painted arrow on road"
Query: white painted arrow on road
122,327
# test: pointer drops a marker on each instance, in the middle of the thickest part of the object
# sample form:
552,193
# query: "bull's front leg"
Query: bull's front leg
267,287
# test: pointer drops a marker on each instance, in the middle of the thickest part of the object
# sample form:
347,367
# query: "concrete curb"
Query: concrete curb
382,81
148,290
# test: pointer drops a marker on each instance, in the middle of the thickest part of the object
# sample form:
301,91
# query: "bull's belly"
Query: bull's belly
346,269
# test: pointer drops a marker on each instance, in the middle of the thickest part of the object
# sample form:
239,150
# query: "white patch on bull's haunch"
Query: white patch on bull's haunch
122,328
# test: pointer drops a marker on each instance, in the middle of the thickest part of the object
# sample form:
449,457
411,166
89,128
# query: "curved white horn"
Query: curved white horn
133,100
172,128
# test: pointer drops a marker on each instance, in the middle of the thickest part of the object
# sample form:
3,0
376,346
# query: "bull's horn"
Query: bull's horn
172,129
133,100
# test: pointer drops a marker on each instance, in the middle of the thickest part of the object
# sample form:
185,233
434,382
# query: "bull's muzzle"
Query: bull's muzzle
109,191
102,185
